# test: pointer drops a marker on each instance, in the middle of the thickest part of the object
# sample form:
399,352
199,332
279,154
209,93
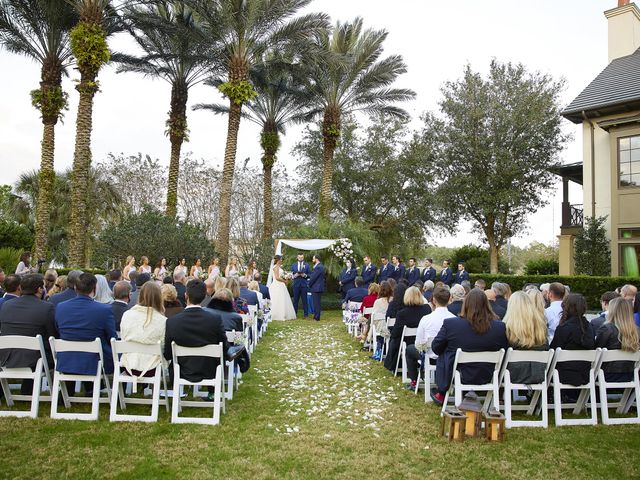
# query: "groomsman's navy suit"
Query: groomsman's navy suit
397,272
317,285
429,274
385,272
348,280
446,276
413,275
301,286
368,274
461,276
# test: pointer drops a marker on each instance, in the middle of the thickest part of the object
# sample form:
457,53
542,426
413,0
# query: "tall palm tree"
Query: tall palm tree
168,34
353,79
246,30
89,47
39,29
282,99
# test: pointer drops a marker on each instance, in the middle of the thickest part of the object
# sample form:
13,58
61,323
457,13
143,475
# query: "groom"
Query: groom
301,273
316,285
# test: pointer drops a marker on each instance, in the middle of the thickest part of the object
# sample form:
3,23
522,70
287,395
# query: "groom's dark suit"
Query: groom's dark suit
317,286
300,286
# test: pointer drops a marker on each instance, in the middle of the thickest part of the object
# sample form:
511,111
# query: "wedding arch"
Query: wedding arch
301,244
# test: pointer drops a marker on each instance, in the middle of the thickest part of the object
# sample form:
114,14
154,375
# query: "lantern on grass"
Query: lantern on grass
472,408
456,422
494,425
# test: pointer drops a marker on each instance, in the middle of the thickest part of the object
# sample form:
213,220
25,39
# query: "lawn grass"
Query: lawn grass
347,418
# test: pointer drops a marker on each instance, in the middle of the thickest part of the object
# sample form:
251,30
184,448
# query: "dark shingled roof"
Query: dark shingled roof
615,89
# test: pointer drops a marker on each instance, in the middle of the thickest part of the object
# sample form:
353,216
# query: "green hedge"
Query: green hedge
95,271
591,287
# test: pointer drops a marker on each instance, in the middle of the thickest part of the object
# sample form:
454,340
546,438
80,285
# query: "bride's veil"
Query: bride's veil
270,277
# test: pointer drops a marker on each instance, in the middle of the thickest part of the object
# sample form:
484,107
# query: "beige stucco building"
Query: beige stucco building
608,111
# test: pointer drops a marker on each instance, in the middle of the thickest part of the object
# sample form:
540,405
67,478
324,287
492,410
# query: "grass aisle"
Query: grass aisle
313,406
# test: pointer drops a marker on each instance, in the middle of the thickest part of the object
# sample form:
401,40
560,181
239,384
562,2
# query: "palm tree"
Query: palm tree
39,29
246,30
168,34
89,47
282,100
353,79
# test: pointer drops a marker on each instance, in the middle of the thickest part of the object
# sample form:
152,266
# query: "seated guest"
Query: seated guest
29,316
50,277
222,304
368,301
133,277
480,283
604,303
196,327
59,286
410,316
114,276
355,294
428,328
476,330
240,304
457,297
170,300
499,305
544,289
526,330
574,332
249,295
220,282
141,279
619,332
254,287
2,279
466,284
121,293
397,300
264,290
491,296
70,291
427,290
537,300
553,312
180,282
211,288
103,292
168,280
83,319
144,323
347,277
381,306
12,288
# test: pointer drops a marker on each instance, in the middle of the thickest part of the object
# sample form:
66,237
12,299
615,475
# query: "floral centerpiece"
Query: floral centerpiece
342,249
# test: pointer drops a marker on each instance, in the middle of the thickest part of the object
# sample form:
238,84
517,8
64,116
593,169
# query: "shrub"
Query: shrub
15,235
476,259
593,255
542,266
9,258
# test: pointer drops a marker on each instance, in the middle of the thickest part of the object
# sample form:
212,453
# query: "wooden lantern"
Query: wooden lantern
494,426
456,421
472,408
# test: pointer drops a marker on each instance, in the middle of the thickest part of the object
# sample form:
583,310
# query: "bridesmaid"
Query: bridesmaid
232,269
129,267
196,270
252,269
182,267
214,268
144,265
160,271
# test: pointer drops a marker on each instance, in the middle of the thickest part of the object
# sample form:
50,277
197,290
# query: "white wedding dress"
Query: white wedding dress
281,304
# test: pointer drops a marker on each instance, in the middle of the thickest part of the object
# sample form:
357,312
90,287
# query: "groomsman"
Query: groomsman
317,286
413,272
301,273
429,273
385,270
461,274
398,268
368,272
445,274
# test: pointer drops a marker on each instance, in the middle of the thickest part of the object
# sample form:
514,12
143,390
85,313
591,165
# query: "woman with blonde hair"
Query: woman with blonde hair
144,265
619,332
220,283
214,268
129,267
172,305
144,323
254,287
232,270
239,304
58,286
537,300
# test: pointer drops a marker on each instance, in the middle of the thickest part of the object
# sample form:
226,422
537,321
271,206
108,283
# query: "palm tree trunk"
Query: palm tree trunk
177,134
174,173
222,244
330,134
267,168
45,190
80,174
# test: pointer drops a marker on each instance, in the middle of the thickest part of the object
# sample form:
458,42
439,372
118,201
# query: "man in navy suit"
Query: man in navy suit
385,270
301,273
413,272
357,293
317,285
70,291
461,274
12,286
445,274
429,273
398,270
368,272
250,296
264,290
83,319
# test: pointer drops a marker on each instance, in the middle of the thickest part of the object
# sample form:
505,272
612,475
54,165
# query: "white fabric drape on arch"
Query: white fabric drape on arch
311,244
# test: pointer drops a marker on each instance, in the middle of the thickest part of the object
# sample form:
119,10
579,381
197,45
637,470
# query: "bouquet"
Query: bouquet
204,275
260,315
422,347
286,276
267,304
240,339
342,249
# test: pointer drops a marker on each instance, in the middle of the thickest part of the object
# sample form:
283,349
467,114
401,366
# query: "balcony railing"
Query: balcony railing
572,215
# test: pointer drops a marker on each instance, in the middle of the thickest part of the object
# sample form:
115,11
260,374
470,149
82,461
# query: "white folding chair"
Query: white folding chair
41,371
492,388
402,353
253,311
630,388
540,389
120,377
429,375
213,351
385,345
59,379
587,391
246,326
232,379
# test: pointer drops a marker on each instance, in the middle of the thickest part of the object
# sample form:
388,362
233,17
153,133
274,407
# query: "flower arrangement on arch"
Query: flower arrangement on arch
342,249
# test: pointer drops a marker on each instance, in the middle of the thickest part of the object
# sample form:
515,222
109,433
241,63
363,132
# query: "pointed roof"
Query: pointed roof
616,89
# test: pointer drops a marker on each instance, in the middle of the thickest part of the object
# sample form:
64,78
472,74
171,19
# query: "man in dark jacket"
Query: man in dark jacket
28,316
12,286
121,297
250,296
356,294
264,290
499,305
196,327
222,304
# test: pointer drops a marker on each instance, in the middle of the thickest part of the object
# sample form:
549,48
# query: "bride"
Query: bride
281,304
